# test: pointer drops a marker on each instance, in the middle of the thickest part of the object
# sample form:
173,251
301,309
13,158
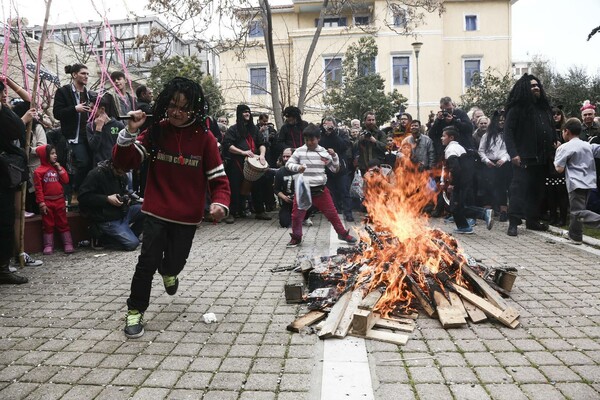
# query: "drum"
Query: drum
253,169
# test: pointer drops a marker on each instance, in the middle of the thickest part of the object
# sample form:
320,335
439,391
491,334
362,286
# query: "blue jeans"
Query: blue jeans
120,233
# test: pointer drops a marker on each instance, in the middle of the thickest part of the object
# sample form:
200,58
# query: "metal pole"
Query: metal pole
418,92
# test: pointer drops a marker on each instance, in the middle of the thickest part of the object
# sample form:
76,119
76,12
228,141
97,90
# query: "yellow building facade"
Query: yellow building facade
468,37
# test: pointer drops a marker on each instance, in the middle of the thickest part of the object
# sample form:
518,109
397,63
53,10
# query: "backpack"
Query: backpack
13,169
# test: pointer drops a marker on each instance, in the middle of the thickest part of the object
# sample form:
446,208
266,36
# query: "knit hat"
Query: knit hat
292,111
587,106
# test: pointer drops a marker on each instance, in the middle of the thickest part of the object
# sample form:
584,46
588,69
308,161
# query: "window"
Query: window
332,22
74,36
470,22
472,67
333,71
144,29
125,31
258,81
366,66
361,20
256,29
400,20
400,70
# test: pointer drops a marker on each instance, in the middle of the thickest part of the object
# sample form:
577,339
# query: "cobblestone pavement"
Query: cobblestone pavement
61,334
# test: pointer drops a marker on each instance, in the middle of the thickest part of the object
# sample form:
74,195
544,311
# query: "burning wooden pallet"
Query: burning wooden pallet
401,265
374,293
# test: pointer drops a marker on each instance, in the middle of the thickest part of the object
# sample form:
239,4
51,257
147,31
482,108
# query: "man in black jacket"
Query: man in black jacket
449,115
528,133
116,213
11,128
72,104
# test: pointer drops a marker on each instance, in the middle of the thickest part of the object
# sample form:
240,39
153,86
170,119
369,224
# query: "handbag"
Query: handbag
356,188
13,169
303,195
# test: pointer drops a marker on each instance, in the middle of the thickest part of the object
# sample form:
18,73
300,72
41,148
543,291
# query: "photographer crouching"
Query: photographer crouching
115,212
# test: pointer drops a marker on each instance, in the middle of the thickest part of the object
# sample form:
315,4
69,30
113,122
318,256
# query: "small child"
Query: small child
48,179
311,159
461,165
576,158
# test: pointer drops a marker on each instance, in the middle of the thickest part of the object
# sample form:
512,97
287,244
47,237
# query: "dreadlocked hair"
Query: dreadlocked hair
494,130
192,91
520,95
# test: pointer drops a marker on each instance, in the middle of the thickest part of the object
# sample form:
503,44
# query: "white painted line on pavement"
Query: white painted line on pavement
346,373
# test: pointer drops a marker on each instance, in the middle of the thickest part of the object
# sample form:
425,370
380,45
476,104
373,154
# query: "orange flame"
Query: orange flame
405,243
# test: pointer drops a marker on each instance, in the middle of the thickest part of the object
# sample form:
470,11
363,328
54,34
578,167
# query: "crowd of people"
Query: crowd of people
137,167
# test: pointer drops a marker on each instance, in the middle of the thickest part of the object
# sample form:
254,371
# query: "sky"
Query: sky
556,30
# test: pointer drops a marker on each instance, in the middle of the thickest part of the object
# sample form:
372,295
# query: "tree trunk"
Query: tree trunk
309,54
273,70
36,80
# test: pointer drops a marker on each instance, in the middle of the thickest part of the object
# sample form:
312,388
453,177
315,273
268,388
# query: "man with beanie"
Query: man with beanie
589,128
290,134
244,140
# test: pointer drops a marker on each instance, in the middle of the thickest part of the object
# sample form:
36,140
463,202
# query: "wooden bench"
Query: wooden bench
33,232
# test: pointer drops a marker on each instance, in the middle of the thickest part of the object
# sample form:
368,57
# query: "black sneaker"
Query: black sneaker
348,217
536,226
348,238
171,284
134,324
503,216
512,230
12,279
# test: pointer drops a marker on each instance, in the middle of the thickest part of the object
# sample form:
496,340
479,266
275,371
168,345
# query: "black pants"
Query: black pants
7,227
165,248
526,190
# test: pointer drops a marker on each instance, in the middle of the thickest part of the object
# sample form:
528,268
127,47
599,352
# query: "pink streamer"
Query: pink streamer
121,59
5,55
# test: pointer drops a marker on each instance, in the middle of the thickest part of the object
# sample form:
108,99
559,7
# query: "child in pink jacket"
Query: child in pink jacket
50,197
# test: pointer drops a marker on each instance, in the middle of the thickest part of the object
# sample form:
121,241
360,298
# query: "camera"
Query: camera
366,134
124,198
446,113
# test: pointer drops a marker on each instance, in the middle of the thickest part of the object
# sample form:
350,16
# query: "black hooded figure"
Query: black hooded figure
290,134
529,134
244,140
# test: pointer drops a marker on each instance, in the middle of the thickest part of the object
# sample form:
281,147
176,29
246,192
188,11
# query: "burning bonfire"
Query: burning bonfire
400,266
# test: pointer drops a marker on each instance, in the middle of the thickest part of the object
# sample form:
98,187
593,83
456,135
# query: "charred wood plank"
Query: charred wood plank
458,303
450,316
421,296
508,317
475,313
335,316
346,321
383,336
362,321
370,300
394,324
306,320
492,295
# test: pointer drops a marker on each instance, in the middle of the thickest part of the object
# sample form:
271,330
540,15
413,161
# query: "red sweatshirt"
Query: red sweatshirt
183,162
47,179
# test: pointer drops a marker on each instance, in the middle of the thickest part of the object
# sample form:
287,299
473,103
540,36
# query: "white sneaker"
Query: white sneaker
30,261
307,222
